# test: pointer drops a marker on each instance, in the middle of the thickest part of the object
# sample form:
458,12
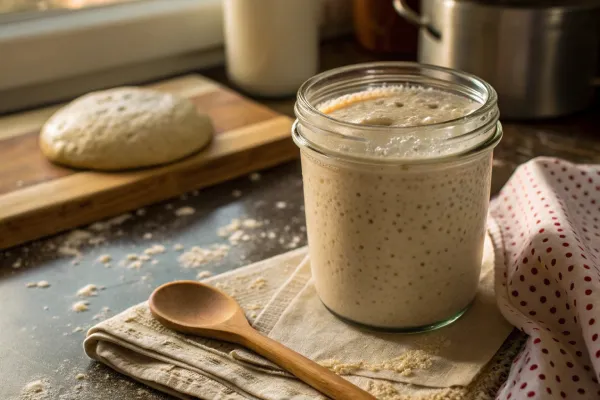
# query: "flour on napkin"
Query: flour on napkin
451,356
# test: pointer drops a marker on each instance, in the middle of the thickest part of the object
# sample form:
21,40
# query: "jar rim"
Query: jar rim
488,145
374,74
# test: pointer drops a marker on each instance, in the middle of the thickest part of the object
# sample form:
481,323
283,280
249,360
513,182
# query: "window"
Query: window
54,49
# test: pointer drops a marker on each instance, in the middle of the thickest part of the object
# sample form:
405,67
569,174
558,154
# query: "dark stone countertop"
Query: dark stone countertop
37,338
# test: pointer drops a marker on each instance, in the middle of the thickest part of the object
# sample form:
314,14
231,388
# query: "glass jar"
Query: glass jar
396,215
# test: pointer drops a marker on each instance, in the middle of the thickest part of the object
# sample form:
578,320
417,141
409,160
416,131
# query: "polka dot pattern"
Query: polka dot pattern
546,223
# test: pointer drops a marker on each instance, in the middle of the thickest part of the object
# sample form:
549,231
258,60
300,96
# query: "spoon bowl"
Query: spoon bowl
191,303
199,309
196,308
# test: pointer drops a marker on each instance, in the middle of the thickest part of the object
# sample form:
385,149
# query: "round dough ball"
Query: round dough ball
124,128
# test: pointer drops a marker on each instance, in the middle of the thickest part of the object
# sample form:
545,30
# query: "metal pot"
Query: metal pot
540,58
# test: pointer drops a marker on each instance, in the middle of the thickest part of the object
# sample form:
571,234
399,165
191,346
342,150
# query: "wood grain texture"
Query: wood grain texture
38,198
195,308
23,164
308,371
28,166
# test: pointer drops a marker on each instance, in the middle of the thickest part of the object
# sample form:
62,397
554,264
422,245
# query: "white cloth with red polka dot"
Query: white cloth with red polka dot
545,224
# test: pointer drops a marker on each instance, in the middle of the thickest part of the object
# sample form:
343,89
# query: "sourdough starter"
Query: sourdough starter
397,246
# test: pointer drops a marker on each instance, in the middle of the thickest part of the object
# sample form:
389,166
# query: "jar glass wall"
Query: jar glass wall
396,215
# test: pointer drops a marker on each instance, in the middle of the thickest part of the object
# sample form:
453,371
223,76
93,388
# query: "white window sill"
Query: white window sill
72,52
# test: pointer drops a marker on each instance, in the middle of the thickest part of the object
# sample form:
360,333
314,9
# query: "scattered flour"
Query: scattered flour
80,306
71,246
102,315
135,265
255,177
155,249
147,235
281,205
184,211
251,223
104,259
96,240
235,237
383,390
35,386
294,243
40,284
88,290
234,231
404,365
178,247
198,256
18,263
203,274
228,229
342,368
258,283
36,390
236,193
229,288
109,223
140,212
77,329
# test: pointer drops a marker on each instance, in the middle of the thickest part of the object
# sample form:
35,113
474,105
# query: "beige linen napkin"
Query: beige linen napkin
451,356
469,353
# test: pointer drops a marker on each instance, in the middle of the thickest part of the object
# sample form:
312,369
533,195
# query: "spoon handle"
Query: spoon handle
304,369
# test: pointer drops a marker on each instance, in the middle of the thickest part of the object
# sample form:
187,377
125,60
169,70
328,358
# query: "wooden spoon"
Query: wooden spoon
198,309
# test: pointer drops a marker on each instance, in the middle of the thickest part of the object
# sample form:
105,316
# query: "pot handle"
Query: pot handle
411,16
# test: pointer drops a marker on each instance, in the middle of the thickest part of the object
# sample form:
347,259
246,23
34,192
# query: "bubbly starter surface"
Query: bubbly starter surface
396,247
399,106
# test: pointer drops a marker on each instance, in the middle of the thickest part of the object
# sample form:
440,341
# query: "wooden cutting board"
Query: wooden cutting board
38,198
